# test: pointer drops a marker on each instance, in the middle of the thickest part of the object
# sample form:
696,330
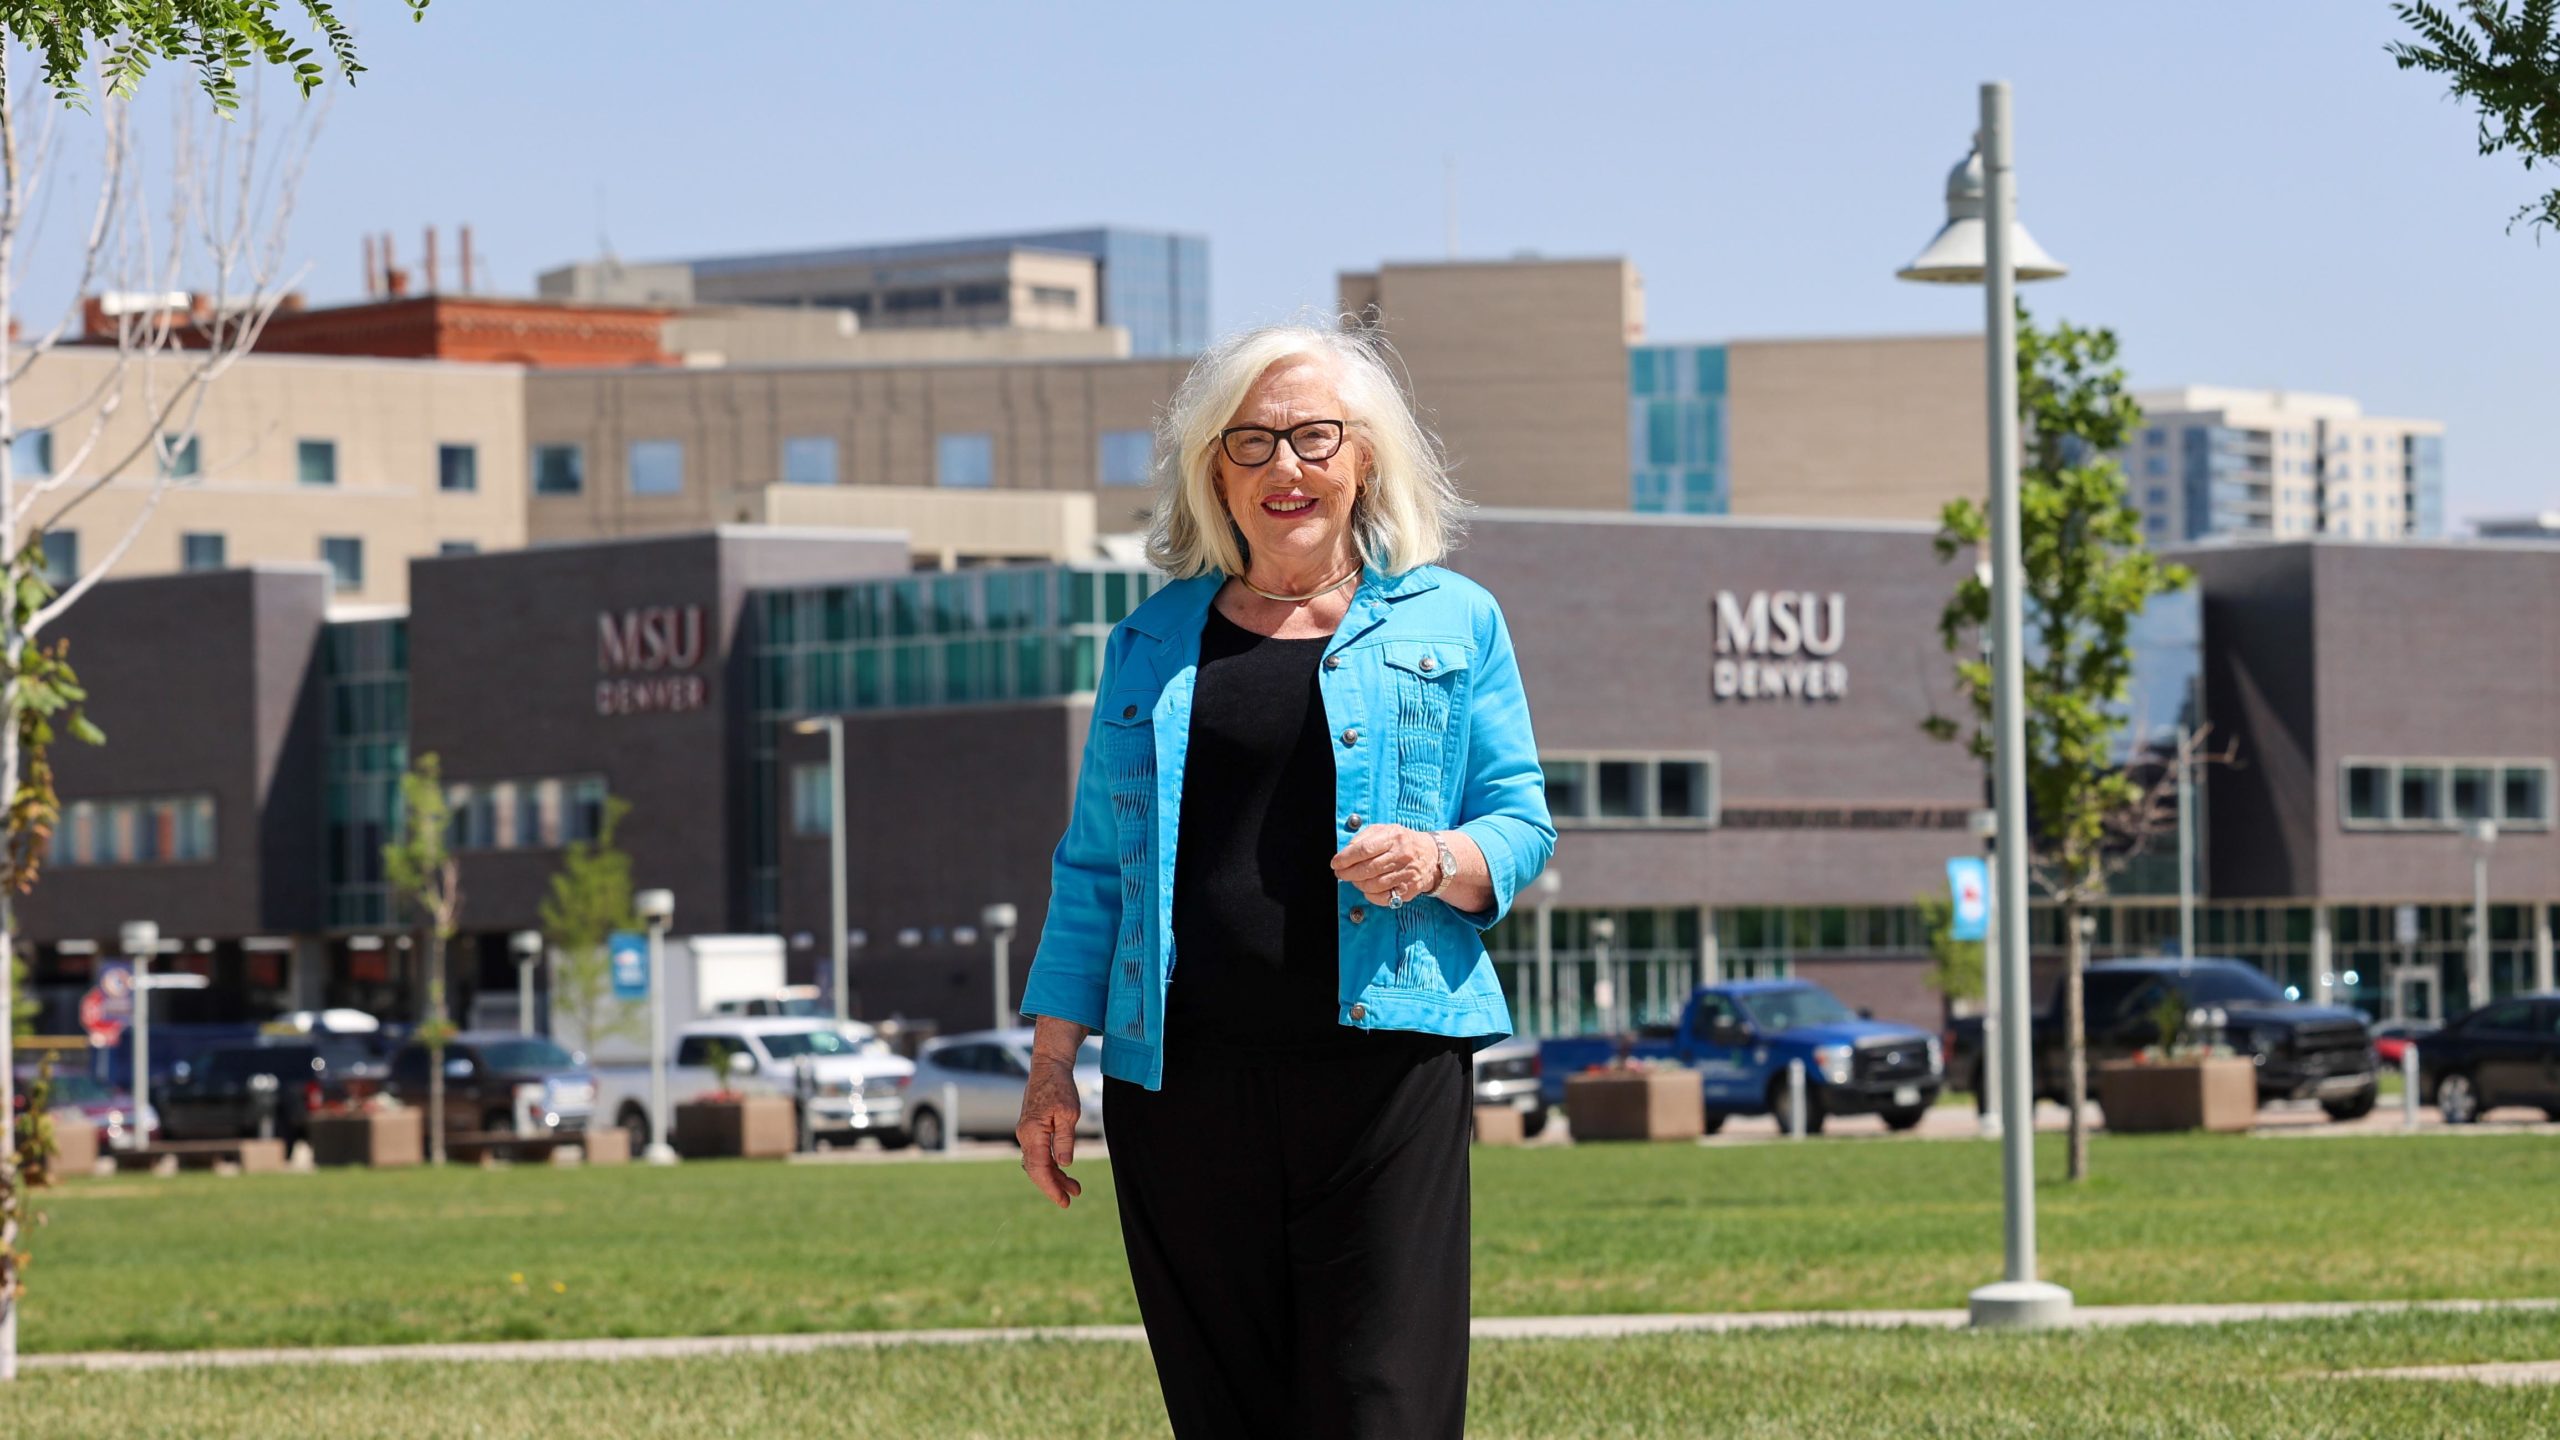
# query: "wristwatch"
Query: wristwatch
1448,865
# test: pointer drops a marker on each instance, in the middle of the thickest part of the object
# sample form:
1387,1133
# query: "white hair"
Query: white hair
1410,514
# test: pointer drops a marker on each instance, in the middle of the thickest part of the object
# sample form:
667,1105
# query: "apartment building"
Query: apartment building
2280,464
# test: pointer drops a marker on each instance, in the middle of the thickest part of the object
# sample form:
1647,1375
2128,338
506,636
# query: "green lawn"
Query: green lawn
2221,1382
362,1258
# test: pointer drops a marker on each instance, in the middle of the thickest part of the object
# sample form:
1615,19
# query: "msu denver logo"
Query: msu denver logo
1777,645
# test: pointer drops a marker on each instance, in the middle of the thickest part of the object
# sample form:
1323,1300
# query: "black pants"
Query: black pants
1298,1240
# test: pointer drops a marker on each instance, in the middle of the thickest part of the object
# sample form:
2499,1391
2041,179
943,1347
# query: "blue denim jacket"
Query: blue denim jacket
1422,669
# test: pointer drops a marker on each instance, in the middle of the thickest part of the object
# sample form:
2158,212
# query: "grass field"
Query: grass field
2226,1382
365,1258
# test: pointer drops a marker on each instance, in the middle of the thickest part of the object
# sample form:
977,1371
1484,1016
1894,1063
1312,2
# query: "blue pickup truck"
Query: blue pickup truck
1739,1038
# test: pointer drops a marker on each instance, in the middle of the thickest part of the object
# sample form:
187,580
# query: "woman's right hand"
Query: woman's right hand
1050,1110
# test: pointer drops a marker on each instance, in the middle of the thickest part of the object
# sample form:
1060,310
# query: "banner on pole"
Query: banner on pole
629,951
1969,886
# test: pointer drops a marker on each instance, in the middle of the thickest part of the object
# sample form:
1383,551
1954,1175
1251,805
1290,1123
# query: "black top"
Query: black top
1254,948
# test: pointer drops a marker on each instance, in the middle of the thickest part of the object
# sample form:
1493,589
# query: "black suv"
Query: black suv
2302,1051
223,1093
484,1069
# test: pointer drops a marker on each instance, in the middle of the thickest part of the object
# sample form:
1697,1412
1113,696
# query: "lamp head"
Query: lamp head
815,725
657,907
999,916
1549,883
2483,833
527,944
139,937
1954,256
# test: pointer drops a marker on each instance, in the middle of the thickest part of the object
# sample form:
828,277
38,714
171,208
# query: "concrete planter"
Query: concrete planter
1498,1125
2219,1094
756,1127
75,1144
382,1139
1636,1105
610,1145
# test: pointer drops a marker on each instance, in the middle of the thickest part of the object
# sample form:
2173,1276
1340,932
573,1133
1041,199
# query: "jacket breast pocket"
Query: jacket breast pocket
1126,749
1426,688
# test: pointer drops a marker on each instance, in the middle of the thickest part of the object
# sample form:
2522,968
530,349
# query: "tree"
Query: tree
2087,575
1955,966
590,899
422,871
217,232
2505,59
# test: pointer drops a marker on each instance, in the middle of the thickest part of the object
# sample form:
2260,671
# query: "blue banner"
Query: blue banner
629,951
1969,886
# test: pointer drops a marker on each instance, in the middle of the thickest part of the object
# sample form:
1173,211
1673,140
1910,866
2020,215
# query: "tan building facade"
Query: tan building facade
361,464
1875,428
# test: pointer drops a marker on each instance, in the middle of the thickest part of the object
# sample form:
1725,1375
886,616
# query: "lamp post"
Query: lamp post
1982,243
1604,986
1548,885
2483,835
1985,825
999,919
527,947
657,909
140,940
837,957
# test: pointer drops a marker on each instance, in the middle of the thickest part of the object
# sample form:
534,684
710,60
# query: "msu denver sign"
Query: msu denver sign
1778,644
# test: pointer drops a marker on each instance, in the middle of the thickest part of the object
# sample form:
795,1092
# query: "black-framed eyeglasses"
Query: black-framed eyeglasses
1256,444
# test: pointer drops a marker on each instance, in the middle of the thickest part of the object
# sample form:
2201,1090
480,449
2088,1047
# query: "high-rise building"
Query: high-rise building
2260,464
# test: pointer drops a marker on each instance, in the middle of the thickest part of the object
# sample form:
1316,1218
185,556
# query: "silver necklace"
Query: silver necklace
1301,599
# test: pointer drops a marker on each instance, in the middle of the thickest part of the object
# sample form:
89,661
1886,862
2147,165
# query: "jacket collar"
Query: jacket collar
1176,612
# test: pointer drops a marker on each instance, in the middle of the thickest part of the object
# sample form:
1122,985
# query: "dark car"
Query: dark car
231,1091
106,1107
2301,1051
483,1072
2507,1052
2395,1038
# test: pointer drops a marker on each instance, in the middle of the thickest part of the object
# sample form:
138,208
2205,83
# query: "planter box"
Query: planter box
1498,1125
75,1143
2215,1094
385,1138
608,1146
1636,1105
758,1127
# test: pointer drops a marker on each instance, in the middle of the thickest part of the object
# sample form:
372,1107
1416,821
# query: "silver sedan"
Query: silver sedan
970,1085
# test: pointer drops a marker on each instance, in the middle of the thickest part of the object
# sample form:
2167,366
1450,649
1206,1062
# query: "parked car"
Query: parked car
483,1072
1507,1074
797,1001
1739,1037
109,1109
2506,1052
986,1070
230,1091
2393,1039
861,1084
2302,1051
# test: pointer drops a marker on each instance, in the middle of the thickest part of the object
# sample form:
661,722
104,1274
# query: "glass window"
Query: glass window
455,549
809,460
1126,456
2527,793
657,467
202,551
965,460
1622,789
31,453
2369,793
977,294
812,799
345,556
2421,793
458,467
183,456
1682,788
1568,789
559,469
2475,794
61,557
316,462
586,809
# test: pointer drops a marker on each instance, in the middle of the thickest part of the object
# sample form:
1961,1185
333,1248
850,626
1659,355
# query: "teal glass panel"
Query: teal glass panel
1708,364
1662,433
866,677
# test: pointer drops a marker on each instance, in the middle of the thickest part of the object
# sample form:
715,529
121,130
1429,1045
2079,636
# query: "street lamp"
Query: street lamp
1604,986
999,919
140,940
527,945
2483,835
833,725
657,909
1548,885
1983,243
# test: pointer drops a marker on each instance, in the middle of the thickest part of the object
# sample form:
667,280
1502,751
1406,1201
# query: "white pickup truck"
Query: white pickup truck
860,1084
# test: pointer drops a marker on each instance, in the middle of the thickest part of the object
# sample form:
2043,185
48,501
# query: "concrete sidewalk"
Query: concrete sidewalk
1497,1327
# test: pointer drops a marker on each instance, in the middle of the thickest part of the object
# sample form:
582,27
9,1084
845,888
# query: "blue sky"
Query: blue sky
2250,193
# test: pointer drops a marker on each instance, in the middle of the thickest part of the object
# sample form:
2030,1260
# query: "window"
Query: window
159,830
980,294
31,453
61,557
1127,455
559,469
657,467
809,460
2156,496
456,549
202,551
1568,788
2475,792
2421,793
904,302
2446,794
965,460
458,467
1057,295
1681,788
2369,793
316,462
182,456
345,554
2155,465
812,800
2527,794
1619,790
540,814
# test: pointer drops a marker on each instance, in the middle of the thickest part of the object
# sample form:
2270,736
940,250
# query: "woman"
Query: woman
1309,783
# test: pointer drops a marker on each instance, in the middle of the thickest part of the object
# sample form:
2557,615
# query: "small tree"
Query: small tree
423,872
590,899
2087,575
1955,966
2505,59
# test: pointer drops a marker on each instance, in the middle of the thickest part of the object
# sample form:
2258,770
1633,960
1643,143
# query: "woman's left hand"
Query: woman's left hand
1391,864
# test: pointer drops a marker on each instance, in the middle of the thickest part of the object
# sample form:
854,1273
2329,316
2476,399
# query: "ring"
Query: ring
1395,897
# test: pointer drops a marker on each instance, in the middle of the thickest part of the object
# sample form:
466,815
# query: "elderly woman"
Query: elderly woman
1309,783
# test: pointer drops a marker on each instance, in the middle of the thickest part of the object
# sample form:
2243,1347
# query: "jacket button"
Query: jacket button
1359,913
1428,664
1128,712
1351,737
1352,820
1333,662
1359,1012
